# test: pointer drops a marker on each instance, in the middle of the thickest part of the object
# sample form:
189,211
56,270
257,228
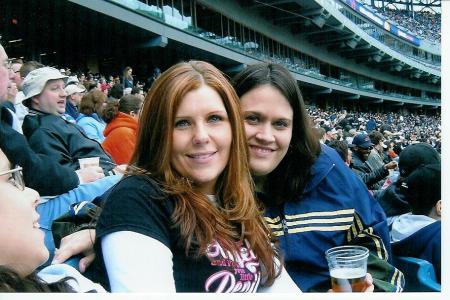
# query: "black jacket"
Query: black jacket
393,201
63,141
40,172
369,177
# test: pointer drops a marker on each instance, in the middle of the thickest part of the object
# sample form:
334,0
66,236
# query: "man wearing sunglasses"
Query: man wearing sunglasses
361,147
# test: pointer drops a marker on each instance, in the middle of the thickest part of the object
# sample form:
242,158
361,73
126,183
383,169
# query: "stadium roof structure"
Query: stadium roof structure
409,5
331,24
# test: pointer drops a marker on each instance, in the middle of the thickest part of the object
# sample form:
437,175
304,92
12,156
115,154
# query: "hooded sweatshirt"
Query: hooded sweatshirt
120,138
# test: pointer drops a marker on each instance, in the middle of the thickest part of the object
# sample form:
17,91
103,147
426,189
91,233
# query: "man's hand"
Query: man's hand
390,165
120,169
90,174
80,242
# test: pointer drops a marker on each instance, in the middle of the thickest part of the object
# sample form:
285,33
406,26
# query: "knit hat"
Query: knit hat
34,83
413,156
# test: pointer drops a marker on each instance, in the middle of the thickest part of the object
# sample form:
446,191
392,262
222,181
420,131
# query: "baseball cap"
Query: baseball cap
35,81
72,80
362,140
416,155
423,188
74,88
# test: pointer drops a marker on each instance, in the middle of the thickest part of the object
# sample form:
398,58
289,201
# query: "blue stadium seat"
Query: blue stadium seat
419,274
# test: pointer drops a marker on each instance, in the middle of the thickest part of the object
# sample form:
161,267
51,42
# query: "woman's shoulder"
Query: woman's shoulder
140,182
77,281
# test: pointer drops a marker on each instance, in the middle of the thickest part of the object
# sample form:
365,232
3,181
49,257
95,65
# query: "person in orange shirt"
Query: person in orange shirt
121,129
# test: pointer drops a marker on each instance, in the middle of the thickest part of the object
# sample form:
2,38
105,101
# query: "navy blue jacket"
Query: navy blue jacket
335,209
40,172
425,244
63,141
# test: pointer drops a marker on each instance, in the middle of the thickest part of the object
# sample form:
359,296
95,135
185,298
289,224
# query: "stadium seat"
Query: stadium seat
419,274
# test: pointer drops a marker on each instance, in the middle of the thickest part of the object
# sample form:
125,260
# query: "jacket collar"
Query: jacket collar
320,169
32,111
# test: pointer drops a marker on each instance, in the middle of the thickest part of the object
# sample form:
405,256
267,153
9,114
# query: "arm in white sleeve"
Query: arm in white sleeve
282,284
137,263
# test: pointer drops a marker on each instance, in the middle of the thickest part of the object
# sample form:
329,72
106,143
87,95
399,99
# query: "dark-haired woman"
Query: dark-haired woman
313,201
121,129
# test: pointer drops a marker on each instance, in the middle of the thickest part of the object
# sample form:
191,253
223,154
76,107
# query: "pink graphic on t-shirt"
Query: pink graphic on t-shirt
241,271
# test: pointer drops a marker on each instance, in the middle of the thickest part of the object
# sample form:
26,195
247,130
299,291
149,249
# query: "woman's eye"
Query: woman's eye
182,123
215,118
252,119
281,124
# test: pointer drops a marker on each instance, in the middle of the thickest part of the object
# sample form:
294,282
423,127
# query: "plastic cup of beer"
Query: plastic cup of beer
89,162
348,268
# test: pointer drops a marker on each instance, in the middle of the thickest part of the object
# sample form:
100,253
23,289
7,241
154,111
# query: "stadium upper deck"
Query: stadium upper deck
329,53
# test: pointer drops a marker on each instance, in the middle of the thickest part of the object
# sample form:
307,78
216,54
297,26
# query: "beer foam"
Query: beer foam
348,273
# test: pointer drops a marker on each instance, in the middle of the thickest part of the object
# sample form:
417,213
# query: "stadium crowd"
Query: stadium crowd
424,24
170,206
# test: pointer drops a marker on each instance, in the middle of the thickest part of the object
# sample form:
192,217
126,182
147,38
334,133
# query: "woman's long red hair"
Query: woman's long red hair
199,220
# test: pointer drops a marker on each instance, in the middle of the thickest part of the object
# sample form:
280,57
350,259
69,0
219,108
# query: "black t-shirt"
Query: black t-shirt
137,204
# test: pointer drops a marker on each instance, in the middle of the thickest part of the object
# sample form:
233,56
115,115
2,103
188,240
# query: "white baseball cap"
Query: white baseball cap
72,80
74,88
34,83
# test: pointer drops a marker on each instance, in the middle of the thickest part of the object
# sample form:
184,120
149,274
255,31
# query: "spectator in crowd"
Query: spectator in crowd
330,134
47,132
301,181
121,129
16,64
11,95
393,199
342,149
22,110
73,80
127,78
74,94
116,92
151,79
376,156
192,198
418,234
81,78
22,242
361,147
104,86
15,94
138,92
90,115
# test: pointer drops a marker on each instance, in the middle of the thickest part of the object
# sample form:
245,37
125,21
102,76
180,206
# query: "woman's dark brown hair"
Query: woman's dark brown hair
199,220
288,180
11,282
